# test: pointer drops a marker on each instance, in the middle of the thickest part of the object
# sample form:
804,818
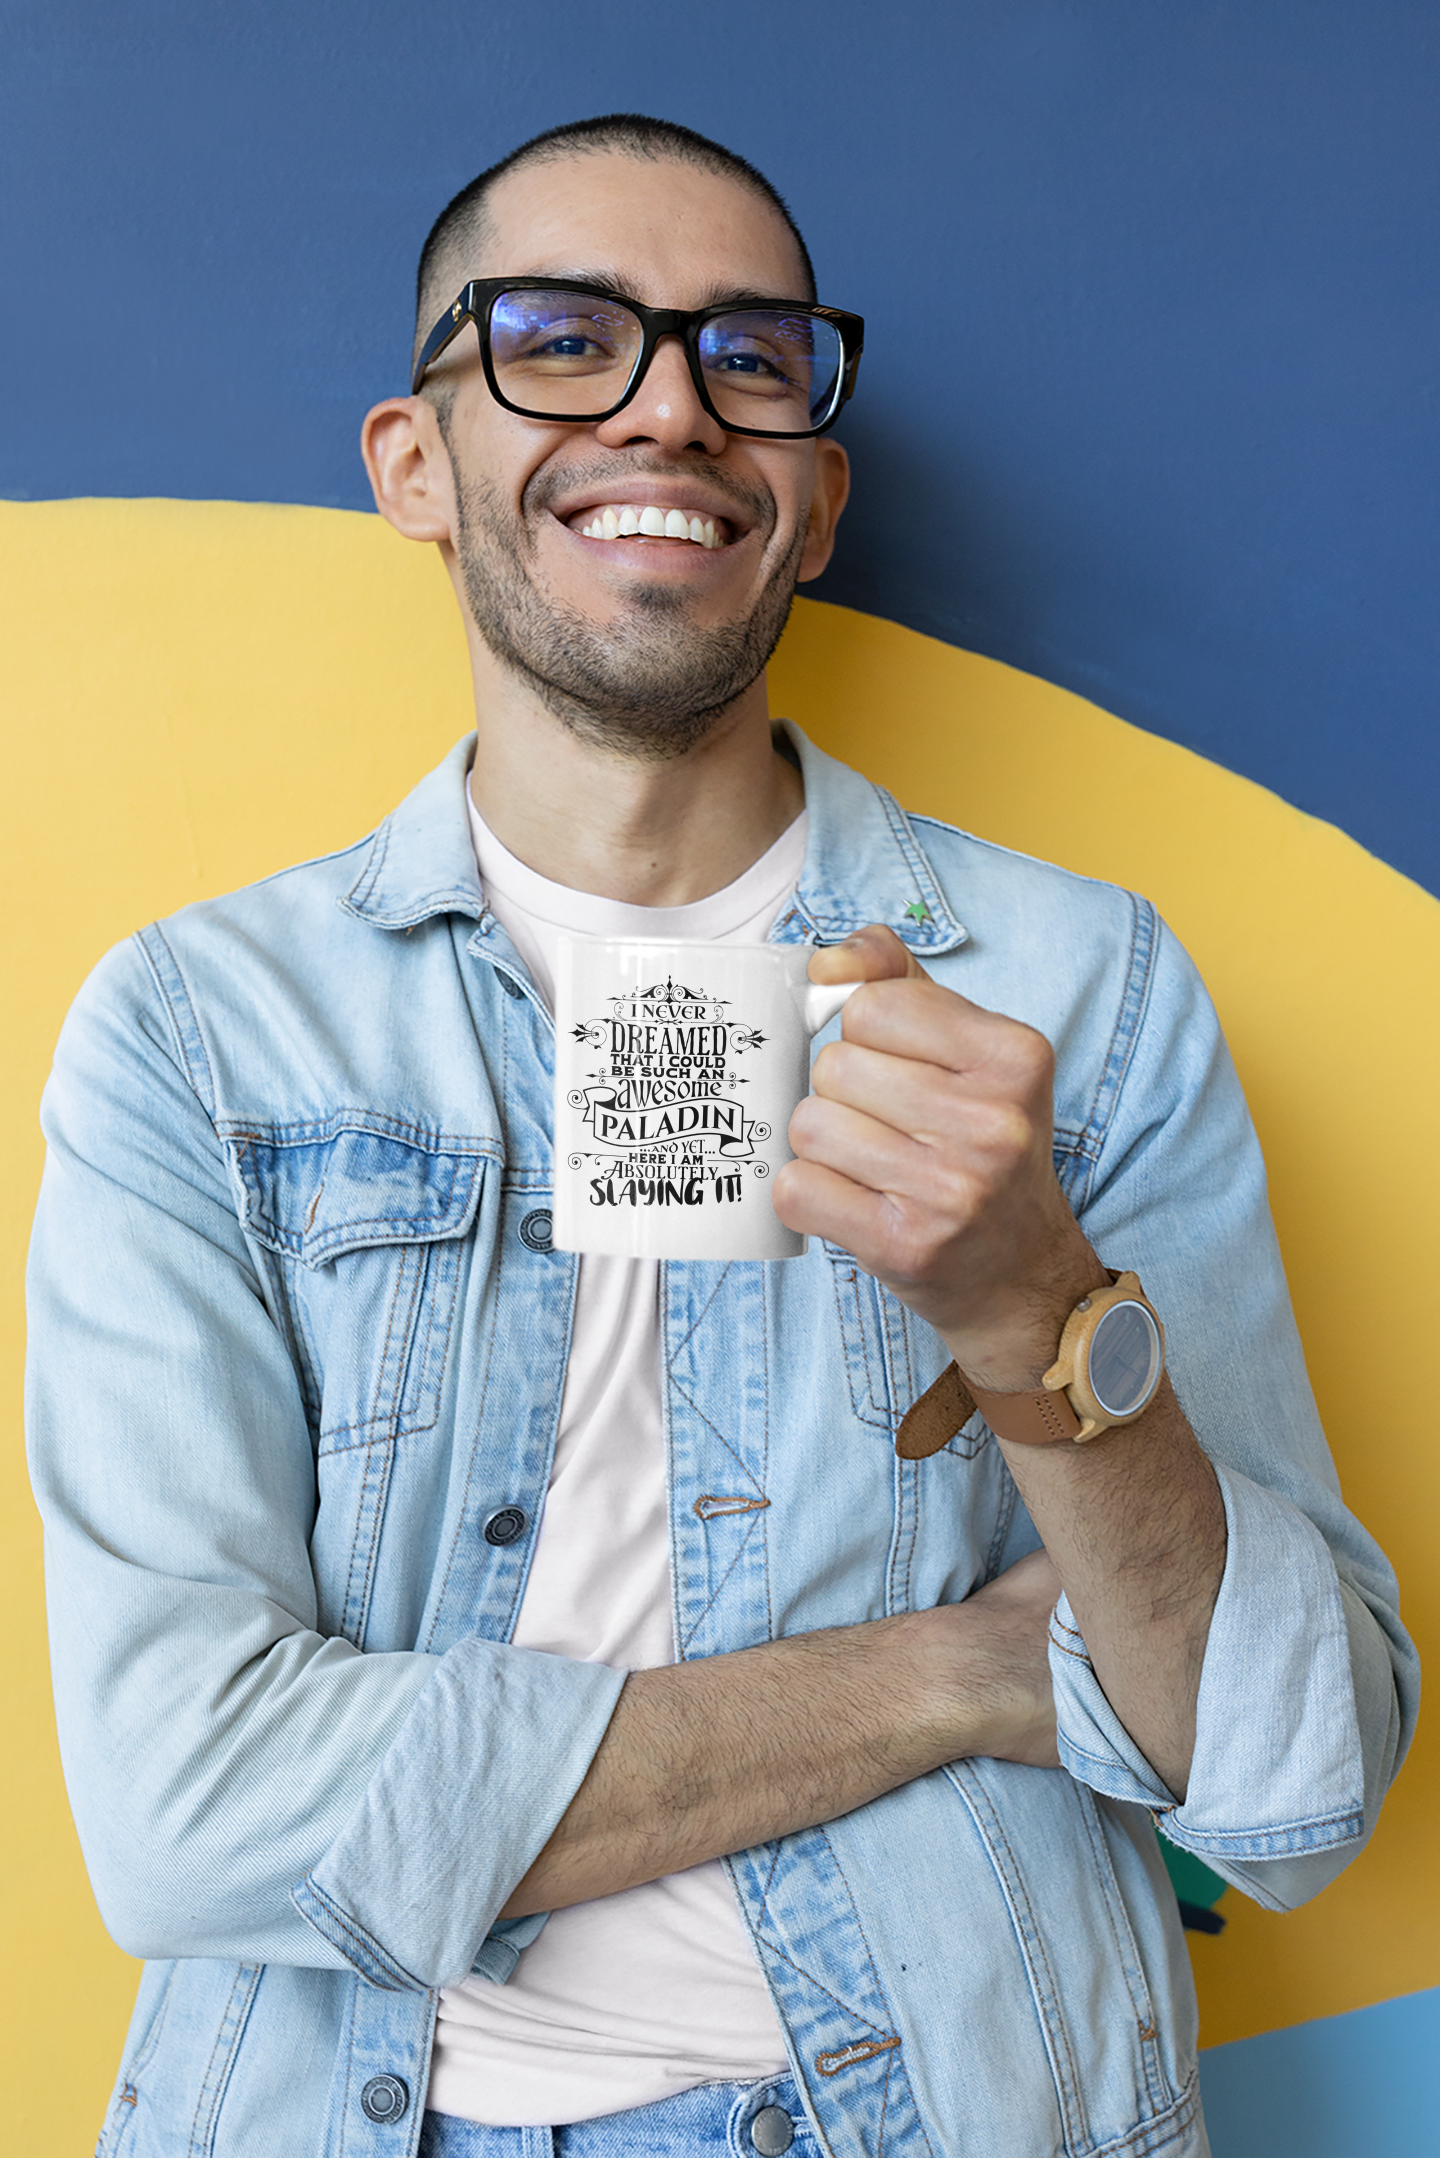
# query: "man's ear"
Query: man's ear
409,468
832,490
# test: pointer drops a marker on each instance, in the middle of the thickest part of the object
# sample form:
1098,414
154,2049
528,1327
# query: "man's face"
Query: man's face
636,641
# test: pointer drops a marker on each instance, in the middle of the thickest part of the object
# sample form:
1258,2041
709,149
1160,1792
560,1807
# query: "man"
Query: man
413,1582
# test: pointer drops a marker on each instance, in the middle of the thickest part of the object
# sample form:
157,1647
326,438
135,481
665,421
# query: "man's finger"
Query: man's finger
928,1024
872,954
924,1099
821,1202
874,1153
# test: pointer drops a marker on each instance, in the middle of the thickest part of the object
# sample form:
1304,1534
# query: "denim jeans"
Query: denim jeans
714,2118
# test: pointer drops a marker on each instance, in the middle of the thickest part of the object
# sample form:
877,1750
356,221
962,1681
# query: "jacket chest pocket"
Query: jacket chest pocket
891,1357
369,1228
370,1224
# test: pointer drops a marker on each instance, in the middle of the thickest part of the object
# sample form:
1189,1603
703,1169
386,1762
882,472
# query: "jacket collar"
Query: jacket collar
421,860
863,862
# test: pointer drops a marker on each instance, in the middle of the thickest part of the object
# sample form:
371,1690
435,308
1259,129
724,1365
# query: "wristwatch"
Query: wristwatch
1107,1369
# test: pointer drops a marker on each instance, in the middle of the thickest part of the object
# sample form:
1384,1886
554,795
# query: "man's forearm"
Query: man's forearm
1136,1526
1133,1520
704,1758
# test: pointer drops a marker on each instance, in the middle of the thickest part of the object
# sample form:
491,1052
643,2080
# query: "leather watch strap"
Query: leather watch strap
1039,1419
936,1418
942,1411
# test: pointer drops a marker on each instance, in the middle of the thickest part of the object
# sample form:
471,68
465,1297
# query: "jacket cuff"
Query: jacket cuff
1278,1767
487,1760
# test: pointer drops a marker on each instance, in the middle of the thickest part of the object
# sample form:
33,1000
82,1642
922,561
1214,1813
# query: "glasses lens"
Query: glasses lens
774,369
560,352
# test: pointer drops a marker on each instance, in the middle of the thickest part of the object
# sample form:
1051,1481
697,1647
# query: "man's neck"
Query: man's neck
656,834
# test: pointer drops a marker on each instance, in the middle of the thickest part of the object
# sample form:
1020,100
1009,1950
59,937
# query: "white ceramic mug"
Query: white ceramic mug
677,1069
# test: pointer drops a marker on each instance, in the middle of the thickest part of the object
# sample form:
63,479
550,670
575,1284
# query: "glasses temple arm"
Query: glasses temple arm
449,326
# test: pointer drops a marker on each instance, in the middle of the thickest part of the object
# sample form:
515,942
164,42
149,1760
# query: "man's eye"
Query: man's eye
570,347
751,368
565,346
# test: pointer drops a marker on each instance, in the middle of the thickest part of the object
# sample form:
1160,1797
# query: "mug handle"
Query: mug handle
823,1000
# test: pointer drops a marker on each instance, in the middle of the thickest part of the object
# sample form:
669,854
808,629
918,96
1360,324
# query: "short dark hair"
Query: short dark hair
633,133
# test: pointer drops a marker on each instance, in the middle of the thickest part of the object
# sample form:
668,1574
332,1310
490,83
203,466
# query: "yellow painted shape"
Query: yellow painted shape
194,694
197,693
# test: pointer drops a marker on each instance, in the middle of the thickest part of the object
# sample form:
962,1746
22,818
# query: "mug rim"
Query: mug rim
706,944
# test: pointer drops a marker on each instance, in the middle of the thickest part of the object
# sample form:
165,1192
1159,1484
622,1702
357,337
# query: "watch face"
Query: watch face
1125,1359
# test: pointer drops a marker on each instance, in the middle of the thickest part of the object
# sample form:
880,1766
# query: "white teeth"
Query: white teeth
624,522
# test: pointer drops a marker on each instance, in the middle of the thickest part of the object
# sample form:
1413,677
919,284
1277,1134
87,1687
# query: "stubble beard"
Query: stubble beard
650,685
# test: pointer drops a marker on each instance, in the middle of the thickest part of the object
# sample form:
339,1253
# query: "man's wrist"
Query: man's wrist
1108,1365
980,1669
1010,1352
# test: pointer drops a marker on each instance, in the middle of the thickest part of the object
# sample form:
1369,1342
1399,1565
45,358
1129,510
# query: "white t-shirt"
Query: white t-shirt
635,1996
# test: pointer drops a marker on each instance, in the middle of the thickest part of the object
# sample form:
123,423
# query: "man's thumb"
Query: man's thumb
871,954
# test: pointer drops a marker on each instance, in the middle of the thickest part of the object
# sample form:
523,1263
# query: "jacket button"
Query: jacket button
505,1526
384,2098
511,987
535,1230
772,2131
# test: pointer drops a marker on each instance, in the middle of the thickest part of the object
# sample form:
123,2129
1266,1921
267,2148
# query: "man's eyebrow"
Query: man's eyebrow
571,273
616,289
745,296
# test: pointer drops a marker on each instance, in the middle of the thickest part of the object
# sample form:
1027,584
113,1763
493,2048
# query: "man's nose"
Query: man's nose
665,409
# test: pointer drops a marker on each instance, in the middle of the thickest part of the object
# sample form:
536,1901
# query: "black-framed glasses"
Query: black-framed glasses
554,351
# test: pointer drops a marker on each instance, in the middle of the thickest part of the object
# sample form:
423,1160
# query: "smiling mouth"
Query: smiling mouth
627,520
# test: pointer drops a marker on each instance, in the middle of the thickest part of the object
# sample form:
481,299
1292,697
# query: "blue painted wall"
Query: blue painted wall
1356,2086
1150,400
1150,404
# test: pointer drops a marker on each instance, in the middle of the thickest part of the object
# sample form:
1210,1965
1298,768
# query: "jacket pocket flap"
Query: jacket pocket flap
315,1192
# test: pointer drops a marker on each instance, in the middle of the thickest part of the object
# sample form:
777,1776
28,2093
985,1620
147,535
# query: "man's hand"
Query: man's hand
1008,1663
925,1150
704,1758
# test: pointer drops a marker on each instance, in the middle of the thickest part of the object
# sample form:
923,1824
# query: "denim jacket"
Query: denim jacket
298,1336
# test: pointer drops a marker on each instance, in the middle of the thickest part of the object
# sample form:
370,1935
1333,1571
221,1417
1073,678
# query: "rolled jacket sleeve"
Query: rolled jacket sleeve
246,1785
1286,1719
1309,1683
